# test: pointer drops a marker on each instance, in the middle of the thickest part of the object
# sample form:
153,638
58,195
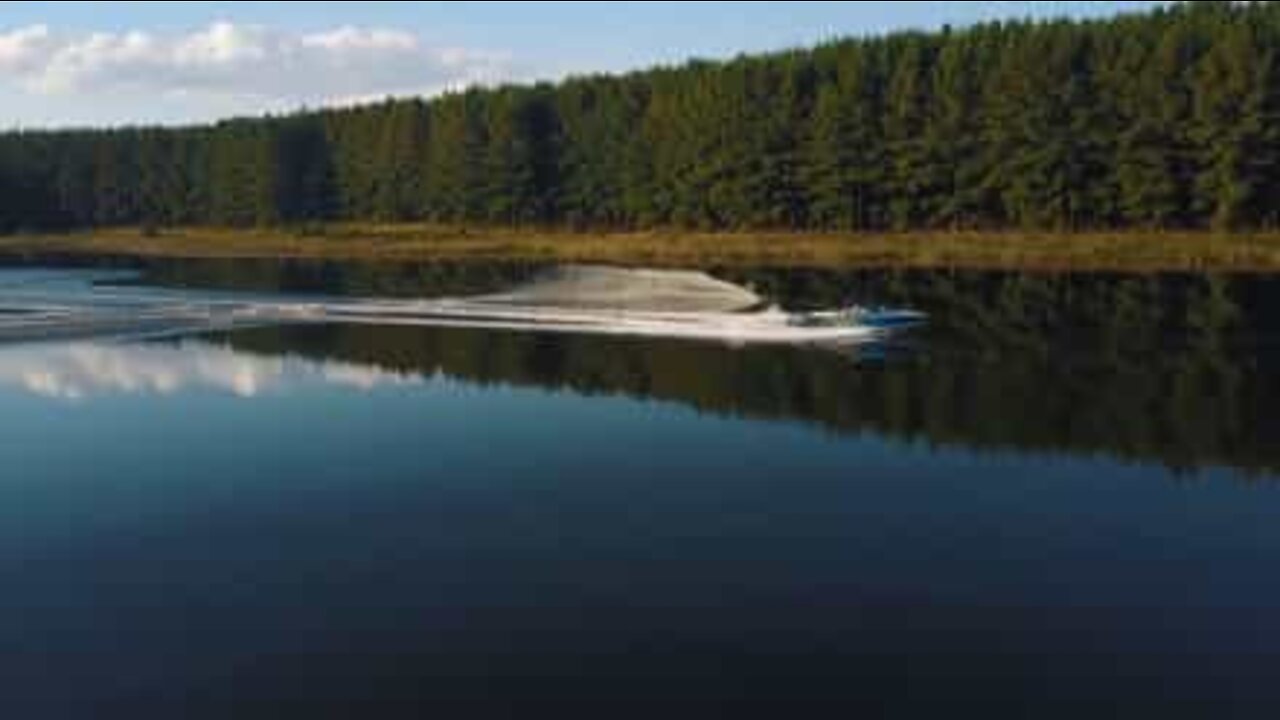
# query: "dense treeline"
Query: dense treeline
1164,120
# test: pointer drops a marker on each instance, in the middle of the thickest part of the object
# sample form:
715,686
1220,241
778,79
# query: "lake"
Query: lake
1060,497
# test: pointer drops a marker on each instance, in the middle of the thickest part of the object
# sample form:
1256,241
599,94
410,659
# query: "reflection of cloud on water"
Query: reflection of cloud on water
81,371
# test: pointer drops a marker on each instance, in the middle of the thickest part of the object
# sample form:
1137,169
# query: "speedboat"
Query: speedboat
882,319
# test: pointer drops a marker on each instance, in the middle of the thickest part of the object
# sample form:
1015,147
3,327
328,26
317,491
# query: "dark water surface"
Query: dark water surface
1061,499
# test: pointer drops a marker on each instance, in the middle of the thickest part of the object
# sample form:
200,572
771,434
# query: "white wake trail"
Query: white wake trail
574,300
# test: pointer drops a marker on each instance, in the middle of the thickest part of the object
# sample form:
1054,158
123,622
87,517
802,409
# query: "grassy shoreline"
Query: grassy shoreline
1139,252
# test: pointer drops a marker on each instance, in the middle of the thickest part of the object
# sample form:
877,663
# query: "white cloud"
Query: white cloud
243,68
350,38
21,50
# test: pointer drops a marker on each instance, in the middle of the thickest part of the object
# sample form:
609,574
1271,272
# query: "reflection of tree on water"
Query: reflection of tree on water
1151,368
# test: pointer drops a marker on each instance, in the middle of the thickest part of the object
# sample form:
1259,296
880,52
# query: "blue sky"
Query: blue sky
75,63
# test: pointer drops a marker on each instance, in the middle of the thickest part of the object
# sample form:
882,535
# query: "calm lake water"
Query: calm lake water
1060,499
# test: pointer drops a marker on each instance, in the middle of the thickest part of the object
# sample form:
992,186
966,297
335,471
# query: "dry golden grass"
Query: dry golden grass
1021,251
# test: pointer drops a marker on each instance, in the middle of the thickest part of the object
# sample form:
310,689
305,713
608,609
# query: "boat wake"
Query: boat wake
572,300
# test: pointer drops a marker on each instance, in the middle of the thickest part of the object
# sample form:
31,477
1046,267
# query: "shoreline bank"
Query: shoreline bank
1132,252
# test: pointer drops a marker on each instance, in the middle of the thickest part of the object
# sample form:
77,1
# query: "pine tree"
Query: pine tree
400,186
1151,148
950,144
1230,110
843,160
910,181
